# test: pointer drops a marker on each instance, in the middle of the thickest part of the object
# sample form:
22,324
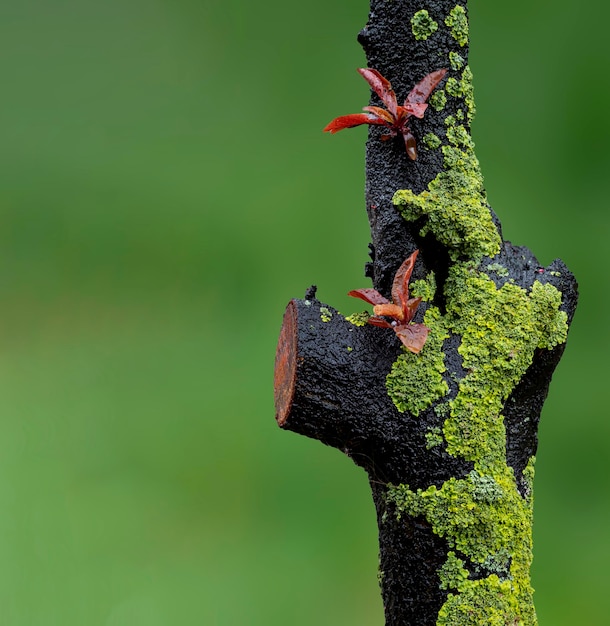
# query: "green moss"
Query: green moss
358,319
431,141
438,100
325,314
422,25
415,381
458,23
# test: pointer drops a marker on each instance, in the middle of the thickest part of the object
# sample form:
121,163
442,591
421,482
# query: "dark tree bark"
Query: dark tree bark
448,436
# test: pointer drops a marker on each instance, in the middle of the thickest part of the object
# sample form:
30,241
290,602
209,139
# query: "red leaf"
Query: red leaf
413,336
382,87
411,307
372,296
390,310
400,286
379,321
381,114
402,309
417,109
349,121
421,92
410,145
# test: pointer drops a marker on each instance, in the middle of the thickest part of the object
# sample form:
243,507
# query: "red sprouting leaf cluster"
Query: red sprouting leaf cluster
394,117
401,309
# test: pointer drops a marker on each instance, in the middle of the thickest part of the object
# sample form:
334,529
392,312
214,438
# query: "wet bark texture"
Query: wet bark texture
322,392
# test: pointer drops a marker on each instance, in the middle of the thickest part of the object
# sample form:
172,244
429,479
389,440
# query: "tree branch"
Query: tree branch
448,435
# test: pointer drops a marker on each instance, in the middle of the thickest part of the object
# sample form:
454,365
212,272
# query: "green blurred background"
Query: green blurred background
165,189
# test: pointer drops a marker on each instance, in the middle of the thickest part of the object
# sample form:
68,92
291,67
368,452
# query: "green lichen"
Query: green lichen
468,92
424,288
456,61
452,573
431,141
463,88
488,601
485,488
441,410
452,87
497,268
325,314
500,329
358,319
416,381
476,525
422,25
551,324
458,23
455,203
434,437
483,516
438,100
498,563
458,135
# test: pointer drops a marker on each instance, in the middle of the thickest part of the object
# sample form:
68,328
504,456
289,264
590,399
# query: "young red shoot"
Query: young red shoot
401,310
395,118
